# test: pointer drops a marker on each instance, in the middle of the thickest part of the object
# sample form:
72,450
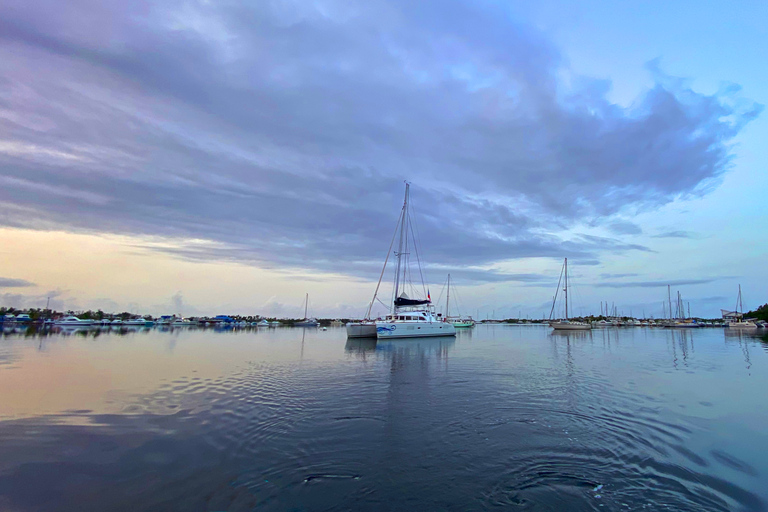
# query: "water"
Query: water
512,417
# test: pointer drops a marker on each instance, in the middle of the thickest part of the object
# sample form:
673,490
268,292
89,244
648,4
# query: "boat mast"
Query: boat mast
566,289
669,296
400,247
739,304
448,297
306,305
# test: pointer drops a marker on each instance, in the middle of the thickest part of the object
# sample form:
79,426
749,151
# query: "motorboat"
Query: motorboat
263,323
73,321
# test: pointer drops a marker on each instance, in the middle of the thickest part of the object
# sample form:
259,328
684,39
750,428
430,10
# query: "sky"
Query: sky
199,158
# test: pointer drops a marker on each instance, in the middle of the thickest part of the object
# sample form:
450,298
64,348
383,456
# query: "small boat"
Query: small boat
274,323
135,321
116,322
307,322
23,318
183,322
566,324
263,323
458,321
73,320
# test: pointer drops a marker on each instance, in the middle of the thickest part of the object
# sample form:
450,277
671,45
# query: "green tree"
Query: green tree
760,313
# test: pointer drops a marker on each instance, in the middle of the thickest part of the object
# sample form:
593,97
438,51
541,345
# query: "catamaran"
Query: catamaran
566,324
410,318
735,319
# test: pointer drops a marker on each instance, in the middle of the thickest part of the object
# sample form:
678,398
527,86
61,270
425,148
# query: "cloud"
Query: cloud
676,234
279,133
9,282
654,284
613,276
624,228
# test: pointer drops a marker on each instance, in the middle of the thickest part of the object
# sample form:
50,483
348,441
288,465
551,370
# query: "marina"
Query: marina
275,419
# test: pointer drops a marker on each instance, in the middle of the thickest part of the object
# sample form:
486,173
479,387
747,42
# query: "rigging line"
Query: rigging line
442,290
554,300
418,259
389,252
416,246
378,299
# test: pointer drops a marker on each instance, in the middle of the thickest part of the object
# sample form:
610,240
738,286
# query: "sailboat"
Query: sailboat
680,322
307,322
735,319
410,318
566,325
458,321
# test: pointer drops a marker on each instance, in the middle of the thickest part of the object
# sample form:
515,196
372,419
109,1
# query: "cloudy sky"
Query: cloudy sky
201,157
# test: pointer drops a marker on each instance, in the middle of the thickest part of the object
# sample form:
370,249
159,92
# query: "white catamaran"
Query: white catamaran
565,324
410,318
735,319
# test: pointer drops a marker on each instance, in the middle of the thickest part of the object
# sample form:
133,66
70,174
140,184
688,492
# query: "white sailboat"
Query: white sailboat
735,319
307,322
410,318
566,324
460,322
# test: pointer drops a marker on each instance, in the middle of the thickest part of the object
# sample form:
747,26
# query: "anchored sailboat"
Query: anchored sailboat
410,317
735,319
459,321
307,322
566,324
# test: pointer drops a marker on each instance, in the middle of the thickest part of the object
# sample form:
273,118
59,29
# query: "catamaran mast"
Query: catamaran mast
400,247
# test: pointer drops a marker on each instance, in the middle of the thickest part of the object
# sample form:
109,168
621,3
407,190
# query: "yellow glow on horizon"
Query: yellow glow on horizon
129,272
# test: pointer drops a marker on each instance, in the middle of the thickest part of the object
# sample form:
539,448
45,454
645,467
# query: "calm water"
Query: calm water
501,416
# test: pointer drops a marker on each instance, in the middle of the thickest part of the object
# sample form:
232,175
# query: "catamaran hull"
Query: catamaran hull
741,325
389,330
570,327
361,330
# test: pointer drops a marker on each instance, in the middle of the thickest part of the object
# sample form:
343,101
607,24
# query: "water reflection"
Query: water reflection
267,420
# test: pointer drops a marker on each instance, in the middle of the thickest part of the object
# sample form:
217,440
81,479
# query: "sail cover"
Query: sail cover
403,300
